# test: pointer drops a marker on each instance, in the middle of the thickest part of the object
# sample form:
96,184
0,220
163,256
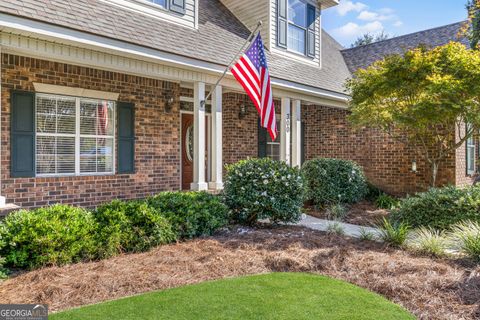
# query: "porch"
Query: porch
225,129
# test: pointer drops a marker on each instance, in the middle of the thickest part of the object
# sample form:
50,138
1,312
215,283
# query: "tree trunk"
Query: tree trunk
434,173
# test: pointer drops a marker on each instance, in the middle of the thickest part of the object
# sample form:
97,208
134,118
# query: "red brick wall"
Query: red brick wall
157,151
461,176
387,163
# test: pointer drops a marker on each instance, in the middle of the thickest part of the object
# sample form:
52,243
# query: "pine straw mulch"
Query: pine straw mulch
430,288
363,213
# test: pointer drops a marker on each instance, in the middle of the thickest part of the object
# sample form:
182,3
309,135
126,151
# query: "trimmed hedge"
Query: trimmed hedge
440,208
331,181
130,226
262,188
191,214
54,235
63,234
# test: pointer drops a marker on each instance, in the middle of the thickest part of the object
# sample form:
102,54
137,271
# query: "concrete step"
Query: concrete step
7,208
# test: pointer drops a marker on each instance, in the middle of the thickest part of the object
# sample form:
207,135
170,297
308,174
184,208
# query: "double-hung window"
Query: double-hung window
161,3
74,136
470,153
296,29
297,26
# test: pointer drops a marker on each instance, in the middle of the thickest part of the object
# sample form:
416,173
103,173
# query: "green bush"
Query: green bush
440,208
337,211
385,201
393,233
130,226
53,235
330,181
191,214
262,188
465,236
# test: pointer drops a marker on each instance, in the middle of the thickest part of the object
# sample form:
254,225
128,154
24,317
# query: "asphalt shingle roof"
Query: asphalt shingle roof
363,56
219,36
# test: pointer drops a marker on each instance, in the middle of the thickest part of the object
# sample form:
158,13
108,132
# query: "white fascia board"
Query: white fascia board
58,34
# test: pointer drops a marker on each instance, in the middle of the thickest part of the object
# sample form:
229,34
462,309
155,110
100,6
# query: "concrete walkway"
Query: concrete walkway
351,230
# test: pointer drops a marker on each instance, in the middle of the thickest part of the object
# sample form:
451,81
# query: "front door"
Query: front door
187,150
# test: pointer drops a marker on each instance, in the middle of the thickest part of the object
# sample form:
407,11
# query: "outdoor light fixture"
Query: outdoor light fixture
243,111
414,166
168,104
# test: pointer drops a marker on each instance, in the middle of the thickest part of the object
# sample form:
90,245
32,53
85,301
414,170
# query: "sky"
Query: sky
351,19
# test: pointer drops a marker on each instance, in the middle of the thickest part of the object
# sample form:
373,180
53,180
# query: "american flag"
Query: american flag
251,71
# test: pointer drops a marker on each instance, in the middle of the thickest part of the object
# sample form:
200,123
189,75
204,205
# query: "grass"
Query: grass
394,234
268,296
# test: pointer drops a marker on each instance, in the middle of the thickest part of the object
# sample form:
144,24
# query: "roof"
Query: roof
218,37
363,56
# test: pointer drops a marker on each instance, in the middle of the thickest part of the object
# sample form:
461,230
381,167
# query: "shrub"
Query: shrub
366,235
53,235
372,192
335,228
337,211
440,208
465,236
3,271
429,241
334,181
191,214
385,201
393,233
262,188
130,226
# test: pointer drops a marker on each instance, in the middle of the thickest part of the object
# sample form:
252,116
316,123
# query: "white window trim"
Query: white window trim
77,136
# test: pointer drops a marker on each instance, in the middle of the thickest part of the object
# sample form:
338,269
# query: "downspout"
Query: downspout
2,198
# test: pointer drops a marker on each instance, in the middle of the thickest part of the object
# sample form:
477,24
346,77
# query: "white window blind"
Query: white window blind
75,136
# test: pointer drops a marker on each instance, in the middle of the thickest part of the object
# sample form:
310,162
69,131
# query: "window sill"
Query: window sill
292,55
68,175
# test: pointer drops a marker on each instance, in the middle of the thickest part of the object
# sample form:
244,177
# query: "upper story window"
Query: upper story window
297,26
296,29
161,3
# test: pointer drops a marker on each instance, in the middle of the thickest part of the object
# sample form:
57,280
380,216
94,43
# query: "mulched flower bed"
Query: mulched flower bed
364,213
430,288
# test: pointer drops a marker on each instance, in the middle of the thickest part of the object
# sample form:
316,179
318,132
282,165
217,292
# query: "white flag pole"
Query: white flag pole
249,39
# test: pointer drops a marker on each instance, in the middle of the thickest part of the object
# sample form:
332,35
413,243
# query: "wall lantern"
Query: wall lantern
414,166
243,111
169,104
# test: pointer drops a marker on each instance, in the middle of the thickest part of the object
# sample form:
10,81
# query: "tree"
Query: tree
368,38
472,28
421,98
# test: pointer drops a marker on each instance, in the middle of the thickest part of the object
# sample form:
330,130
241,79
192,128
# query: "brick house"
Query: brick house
102,99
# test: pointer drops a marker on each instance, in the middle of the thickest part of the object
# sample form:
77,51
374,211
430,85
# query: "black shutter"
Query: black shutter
303,144
126,137
311,36
262,141
177,6
282,23
22,134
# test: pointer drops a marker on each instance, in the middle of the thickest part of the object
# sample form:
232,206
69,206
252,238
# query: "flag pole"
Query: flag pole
249,39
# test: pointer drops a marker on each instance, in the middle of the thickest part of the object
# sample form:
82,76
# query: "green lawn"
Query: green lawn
271,296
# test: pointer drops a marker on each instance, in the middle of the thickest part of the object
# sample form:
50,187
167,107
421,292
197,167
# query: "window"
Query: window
296,29
74,136
161,3
470,153
273,147
297,26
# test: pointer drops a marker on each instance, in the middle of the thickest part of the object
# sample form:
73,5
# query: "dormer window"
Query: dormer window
161,3
296,26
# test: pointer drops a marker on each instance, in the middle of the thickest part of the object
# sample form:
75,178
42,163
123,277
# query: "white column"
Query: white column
296,133
199,137
285,131
217,141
